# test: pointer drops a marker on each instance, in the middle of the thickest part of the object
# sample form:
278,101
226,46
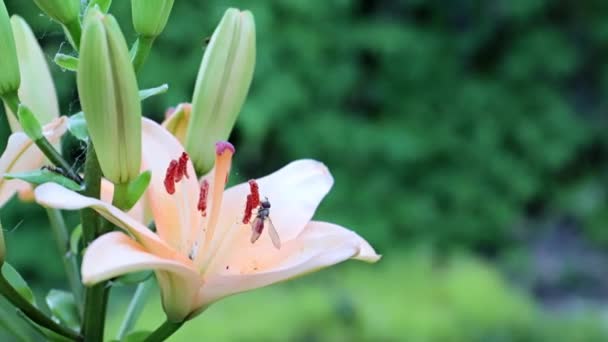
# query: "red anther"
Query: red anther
170,177
253,200
255,193
248,210
182,167
202,198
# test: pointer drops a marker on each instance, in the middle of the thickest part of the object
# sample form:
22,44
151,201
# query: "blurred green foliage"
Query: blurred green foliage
412,296
451,123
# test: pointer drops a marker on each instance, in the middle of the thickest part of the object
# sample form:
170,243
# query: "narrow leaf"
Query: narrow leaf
15,279
146,93
137,188
77,125
66,62
42,176
63,308
75,239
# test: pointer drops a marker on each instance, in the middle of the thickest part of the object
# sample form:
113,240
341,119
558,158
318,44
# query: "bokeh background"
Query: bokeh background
469,144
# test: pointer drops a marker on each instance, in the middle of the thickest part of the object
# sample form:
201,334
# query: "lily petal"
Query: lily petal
249,266
175,215
55,196
294,192
21,154
115,254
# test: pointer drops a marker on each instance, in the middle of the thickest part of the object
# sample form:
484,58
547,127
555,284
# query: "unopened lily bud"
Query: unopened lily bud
150,16
63,11
221,87
109,97
177,121
36,90
9,66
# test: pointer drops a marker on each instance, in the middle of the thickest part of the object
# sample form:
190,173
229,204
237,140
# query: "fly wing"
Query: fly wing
274,236
257,226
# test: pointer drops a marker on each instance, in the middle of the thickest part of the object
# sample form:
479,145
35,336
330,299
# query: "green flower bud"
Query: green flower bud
37,90
150,16
109,97
63,11
221,86
9,66
30,124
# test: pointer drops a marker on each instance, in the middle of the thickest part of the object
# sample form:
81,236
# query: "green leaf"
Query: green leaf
133,278
15,279
146,93
63,308
66,62
104,5
75,239
137,188
77,125
42,176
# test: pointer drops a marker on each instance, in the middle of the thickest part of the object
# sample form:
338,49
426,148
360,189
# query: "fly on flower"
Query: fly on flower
262,215
263,219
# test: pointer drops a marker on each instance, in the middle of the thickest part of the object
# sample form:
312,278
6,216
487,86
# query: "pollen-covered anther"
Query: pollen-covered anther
253,201
182,167
170,177
202,198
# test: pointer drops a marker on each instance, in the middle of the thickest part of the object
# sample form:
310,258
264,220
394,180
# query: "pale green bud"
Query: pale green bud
221,87
30,124
37,90
9,66
150,16
63,11
109,97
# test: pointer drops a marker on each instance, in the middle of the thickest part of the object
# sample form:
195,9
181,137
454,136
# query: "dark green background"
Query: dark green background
463,129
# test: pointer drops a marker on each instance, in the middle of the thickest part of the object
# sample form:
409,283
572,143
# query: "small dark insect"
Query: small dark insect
262,219
207,40
58,170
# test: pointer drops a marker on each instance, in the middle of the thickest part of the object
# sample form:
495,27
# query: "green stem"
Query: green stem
135,307
12,101
96,297
70,263
9,292
164,331
142,47
73,30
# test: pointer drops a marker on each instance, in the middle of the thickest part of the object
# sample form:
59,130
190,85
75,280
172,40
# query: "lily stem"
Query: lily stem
142,48
70,263
9,292
135,307
12,101
164,331
96,297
